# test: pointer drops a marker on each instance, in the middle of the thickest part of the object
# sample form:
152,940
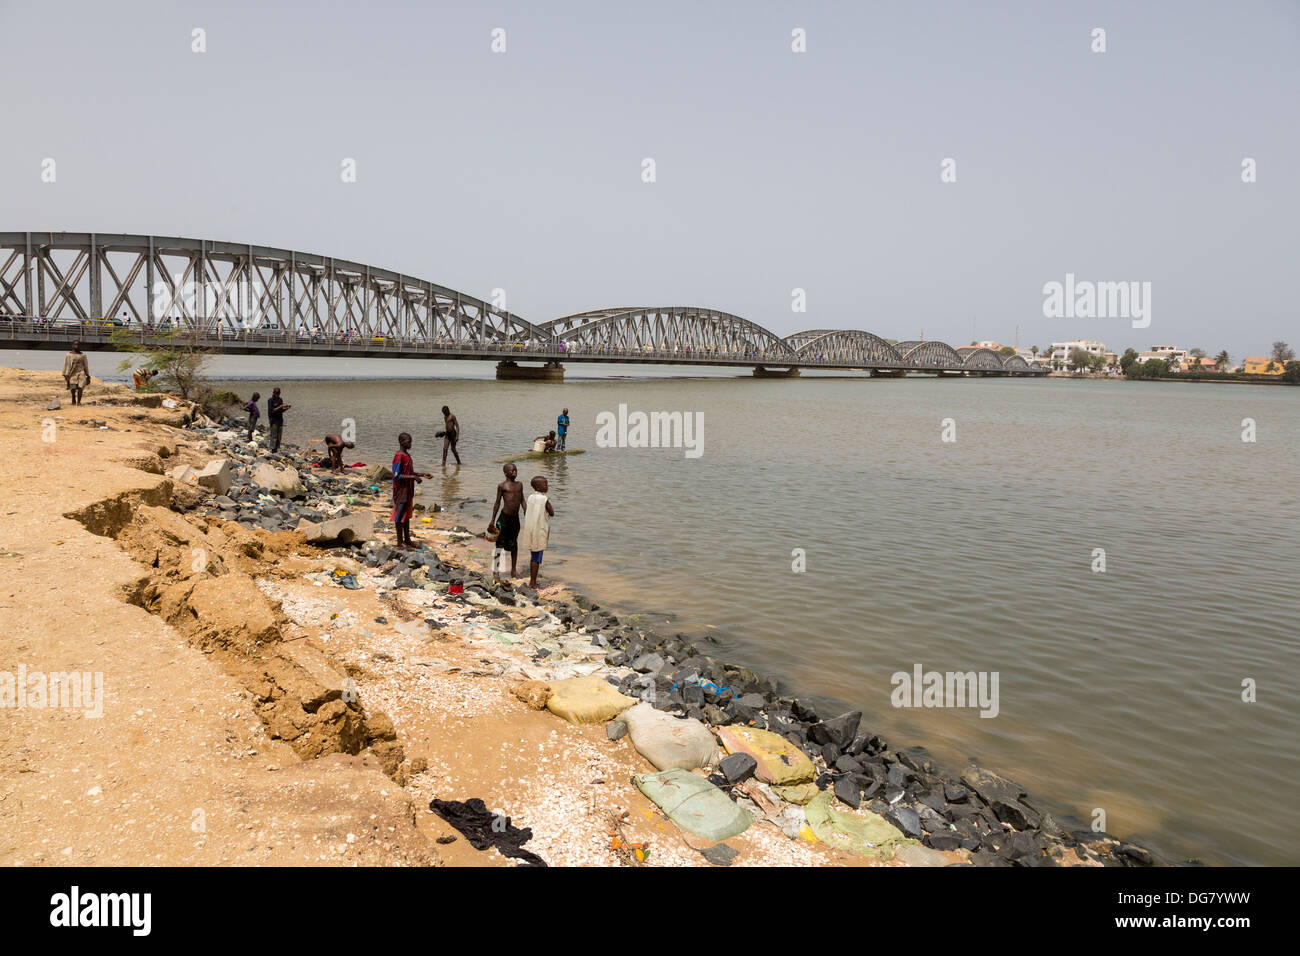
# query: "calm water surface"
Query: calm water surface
1119,691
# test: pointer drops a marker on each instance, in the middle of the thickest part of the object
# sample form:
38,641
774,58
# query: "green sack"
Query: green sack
694,804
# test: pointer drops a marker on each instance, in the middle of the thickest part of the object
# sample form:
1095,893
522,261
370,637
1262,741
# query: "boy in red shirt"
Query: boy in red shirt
405,478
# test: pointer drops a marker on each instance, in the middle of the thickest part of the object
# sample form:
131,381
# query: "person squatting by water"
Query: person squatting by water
561,429
275,409
450,434
405,479
334,445
510,496
545,443
76,372
536,532
254,413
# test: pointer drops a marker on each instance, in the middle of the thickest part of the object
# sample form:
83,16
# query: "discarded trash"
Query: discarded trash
867,834
694,804
347,579
483,829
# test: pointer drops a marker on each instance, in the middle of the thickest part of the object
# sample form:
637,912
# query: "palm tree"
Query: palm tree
1034,349
1222,359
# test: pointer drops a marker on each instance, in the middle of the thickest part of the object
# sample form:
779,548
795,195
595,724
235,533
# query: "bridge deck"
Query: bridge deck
58,336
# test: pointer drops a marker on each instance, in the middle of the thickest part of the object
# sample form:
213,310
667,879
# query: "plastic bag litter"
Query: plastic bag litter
346,579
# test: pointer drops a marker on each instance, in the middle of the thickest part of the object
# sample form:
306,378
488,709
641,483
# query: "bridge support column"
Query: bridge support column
888,373
508,371
761,372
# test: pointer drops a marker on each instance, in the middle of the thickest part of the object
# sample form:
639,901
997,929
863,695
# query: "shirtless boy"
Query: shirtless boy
452,427
510,495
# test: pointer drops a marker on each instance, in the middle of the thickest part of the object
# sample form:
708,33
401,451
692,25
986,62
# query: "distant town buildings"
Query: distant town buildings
1261,365
1061,351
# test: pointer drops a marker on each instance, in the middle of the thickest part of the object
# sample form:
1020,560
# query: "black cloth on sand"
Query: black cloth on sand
474,820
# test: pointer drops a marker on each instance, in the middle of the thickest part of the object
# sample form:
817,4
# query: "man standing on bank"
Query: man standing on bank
561,429
275,409
451,435
76,372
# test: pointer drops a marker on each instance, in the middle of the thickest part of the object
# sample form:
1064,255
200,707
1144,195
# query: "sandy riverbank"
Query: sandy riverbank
188,763
255,711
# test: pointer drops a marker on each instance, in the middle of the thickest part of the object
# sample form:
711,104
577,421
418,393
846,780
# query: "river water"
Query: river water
1119,691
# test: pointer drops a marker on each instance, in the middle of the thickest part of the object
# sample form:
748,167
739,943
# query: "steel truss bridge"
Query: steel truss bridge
245,299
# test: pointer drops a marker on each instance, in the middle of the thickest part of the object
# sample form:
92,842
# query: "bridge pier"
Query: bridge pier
508,371
761,372
888,373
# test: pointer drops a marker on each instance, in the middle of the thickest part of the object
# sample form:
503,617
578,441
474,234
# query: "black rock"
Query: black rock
906,820
893,794
898,775
1020,846
934,800
931,821
1133,854
846,791
916,758
737,767
615,730
838,730
955,793
754,701
846,764
1015,814
945,840
831,753
719,855
693,694
804,710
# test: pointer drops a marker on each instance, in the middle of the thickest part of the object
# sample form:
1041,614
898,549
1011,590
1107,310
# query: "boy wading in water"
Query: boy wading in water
510,496
404,481
451,435
537,527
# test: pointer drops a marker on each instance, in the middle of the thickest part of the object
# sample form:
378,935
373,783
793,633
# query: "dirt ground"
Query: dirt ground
203,669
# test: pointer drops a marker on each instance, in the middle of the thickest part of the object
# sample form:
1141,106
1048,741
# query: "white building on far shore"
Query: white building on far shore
1061,351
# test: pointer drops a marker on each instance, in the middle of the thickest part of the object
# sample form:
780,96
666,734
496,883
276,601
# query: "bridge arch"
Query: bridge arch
931,354
228,288
984,360
664,332
852,348
1016,363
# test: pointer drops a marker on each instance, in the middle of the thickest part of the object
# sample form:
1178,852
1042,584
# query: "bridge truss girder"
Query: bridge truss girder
208,286
847,348
687,331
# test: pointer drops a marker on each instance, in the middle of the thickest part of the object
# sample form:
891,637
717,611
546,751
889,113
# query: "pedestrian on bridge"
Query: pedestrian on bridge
76,372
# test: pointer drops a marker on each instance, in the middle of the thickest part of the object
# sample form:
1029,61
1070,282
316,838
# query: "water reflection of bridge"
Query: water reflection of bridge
244,299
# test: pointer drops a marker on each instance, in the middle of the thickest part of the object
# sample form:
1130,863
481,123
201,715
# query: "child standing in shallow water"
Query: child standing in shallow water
405,479
536,533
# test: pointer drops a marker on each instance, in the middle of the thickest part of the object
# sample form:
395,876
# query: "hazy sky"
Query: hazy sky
775,170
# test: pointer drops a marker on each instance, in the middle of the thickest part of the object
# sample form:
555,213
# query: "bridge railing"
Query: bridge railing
101,332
